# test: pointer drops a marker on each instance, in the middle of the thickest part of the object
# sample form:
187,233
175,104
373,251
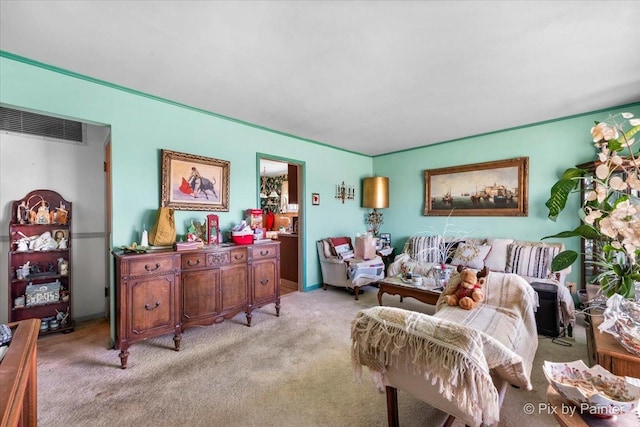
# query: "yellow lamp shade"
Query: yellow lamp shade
375,192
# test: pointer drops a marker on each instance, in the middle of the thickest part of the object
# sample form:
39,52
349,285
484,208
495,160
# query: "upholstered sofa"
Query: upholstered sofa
530,260
340,268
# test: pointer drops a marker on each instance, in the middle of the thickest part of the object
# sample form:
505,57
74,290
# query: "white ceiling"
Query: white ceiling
367,76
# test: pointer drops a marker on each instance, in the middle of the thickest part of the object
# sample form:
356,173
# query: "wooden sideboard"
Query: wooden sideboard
165,291
18,376
604,349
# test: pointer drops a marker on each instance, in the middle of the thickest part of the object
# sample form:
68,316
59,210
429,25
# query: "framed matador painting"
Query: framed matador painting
196,183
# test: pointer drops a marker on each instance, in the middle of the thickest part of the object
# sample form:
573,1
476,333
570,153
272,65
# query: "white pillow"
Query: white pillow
497,258
471,256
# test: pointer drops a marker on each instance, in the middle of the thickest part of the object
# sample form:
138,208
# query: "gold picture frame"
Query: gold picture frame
194,183
497,188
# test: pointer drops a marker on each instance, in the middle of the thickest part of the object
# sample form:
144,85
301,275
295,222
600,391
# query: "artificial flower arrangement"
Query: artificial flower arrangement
610,213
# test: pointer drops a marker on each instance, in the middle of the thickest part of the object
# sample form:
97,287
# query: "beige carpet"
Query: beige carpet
292,370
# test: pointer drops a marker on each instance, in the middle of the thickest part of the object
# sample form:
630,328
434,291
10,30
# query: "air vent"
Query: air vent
40,125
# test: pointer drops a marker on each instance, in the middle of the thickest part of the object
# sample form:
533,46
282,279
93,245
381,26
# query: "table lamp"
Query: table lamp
375,195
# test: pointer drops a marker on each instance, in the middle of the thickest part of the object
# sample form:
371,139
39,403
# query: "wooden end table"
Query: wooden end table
395,286
569,415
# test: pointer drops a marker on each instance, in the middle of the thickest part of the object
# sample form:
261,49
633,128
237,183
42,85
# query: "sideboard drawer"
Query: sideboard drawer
238,256
264,251
151,265
193,260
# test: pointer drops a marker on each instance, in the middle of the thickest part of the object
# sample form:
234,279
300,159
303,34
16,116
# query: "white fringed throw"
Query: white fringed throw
445,353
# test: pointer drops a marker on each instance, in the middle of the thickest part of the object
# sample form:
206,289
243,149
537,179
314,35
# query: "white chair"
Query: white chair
351,273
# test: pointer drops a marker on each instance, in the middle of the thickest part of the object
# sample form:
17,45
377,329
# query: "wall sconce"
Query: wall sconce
345,192
375,195
263,185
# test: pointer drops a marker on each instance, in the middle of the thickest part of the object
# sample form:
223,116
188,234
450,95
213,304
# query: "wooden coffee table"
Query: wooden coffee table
395,286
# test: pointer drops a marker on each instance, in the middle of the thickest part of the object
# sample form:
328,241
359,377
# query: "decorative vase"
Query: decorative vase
271,219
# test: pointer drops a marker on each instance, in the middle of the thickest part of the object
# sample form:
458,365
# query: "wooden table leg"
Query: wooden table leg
392,406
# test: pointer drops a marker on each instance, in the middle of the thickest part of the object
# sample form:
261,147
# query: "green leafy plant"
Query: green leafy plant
610,213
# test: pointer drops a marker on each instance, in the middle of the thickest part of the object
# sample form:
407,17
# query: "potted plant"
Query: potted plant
610,213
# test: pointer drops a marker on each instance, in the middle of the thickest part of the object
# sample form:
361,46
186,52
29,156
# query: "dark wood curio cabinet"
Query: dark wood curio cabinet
40,273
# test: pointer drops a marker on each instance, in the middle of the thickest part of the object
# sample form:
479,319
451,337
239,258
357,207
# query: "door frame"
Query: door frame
302,222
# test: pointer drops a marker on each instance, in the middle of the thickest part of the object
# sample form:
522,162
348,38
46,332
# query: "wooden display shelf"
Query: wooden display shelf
40,220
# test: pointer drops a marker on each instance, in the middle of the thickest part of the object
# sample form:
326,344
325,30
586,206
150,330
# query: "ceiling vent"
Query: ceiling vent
47,127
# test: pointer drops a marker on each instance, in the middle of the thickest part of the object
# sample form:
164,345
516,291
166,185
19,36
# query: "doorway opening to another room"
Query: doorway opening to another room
280,198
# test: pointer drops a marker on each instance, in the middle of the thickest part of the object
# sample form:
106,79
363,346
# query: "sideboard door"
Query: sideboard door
234,289
151,306
200,295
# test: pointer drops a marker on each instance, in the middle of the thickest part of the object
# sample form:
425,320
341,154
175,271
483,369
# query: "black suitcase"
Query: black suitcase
547,320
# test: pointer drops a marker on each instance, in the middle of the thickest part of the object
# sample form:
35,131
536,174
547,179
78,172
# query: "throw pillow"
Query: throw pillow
497,258
326,248
424,248
471,256
337,241
531,261
344,251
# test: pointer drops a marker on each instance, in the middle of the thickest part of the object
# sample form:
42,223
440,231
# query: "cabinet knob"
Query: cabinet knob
264,253
264,281
191,263
148,307
148,268
238,256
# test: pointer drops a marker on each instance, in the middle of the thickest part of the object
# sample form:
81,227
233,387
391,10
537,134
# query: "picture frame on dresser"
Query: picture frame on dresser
193,182
496,188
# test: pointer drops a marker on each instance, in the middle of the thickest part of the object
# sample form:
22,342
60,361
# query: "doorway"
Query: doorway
280,196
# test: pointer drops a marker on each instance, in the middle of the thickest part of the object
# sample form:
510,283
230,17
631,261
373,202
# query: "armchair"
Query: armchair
350,273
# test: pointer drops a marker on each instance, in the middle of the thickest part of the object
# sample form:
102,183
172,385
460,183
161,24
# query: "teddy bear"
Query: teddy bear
468,293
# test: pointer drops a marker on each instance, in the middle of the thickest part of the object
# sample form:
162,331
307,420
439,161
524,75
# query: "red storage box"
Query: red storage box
242,237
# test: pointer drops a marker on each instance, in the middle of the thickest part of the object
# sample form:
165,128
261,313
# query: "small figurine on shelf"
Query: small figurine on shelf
62,316
61,216
195,232
191,233
63,267
22,245
21,213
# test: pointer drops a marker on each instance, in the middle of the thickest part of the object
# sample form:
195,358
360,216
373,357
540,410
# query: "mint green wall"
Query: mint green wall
143,125
551,147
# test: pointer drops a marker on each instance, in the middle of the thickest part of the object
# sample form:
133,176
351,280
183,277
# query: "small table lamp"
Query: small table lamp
375,195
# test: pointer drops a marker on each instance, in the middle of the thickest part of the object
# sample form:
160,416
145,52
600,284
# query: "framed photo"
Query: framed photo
498,188
315,199
385,239
61,237
194,183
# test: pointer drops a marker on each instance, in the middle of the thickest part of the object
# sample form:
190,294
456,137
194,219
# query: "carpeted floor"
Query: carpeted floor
292,370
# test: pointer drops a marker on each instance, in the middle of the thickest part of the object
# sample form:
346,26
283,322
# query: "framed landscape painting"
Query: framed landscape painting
195,183
498,188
